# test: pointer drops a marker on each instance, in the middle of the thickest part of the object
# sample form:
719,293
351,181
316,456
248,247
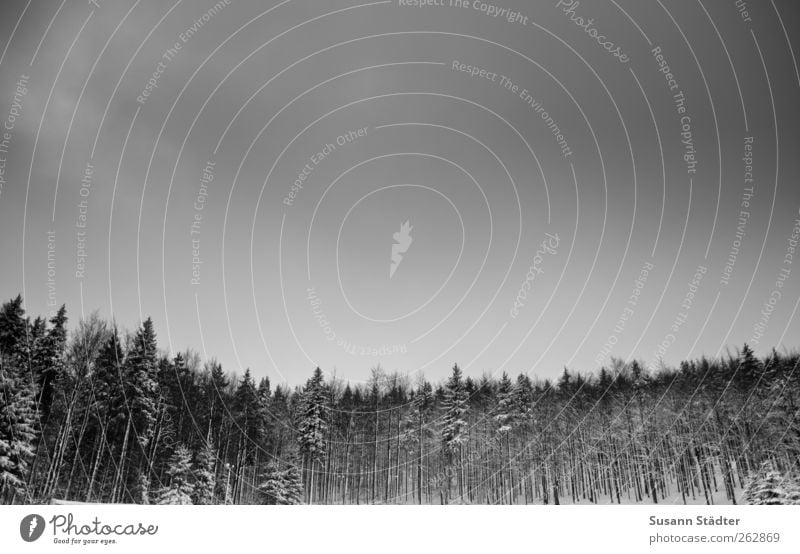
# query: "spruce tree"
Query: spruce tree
523,397
282,486
205,477
179,489
143,401
768,487
14,334
504,412
792,486
141,367
248,416
17,431
313,424
313,416
749,367
215,392
455,405
279,411
506,417
18,414
48,357
109,402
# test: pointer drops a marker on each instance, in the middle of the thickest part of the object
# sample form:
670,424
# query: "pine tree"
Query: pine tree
313,425
674,433
173,381
141,367
523,397
504,412
506,416
264,390
179,490
17,431
144,404
769,486
18,414
792,486
14,334
749,367
280,411
57,398
48,358
313,416
205,480
264,417
282,486
248,415
764,486
455,405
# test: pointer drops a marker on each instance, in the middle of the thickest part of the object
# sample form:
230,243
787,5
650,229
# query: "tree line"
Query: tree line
98,415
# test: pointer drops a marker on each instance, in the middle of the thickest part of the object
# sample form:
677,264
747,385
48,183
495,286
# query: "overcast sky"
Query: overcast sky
625,186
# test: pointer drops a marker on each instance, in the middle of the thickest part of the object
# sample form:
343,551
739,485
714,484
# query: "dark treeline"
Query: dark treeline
97,415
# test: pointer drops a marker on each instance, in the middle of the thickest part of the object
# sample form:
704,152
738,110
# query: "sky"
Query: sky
581,181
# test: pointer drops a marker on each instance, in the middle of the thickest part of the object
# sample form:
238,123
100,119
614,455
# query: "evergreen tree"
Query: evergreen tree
179,490
14,334
18,414
248,416
280,413
205,477
455,405
748,366
179,392
766,486
313,425
264,390
686,433
506,416
17,431
141,368
504,413
143,400
282,486
49,358
523,397
313,417
109,401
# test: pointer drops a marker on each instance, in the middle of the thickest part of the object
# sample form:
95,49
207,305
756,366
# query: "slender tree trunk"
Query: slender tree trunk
419,460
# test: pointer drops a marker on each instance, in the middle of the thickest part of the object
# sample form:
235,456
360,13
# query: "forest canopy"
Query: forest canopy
100,415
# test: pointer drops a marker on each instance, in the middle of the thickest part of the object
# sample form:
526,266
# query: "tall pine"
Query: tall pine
17,408
313,427
142,398
454,425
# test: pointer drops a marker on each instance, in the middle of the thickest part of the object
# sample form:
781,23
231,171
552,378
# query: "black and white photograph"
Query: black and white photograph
450,274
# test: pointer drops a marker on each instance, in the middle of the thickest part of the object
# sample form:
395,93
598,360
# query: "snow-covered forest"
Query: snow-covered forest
99,415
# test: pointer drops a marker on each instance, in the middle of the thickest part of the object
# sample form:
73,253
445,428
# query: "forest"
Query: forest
99,415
